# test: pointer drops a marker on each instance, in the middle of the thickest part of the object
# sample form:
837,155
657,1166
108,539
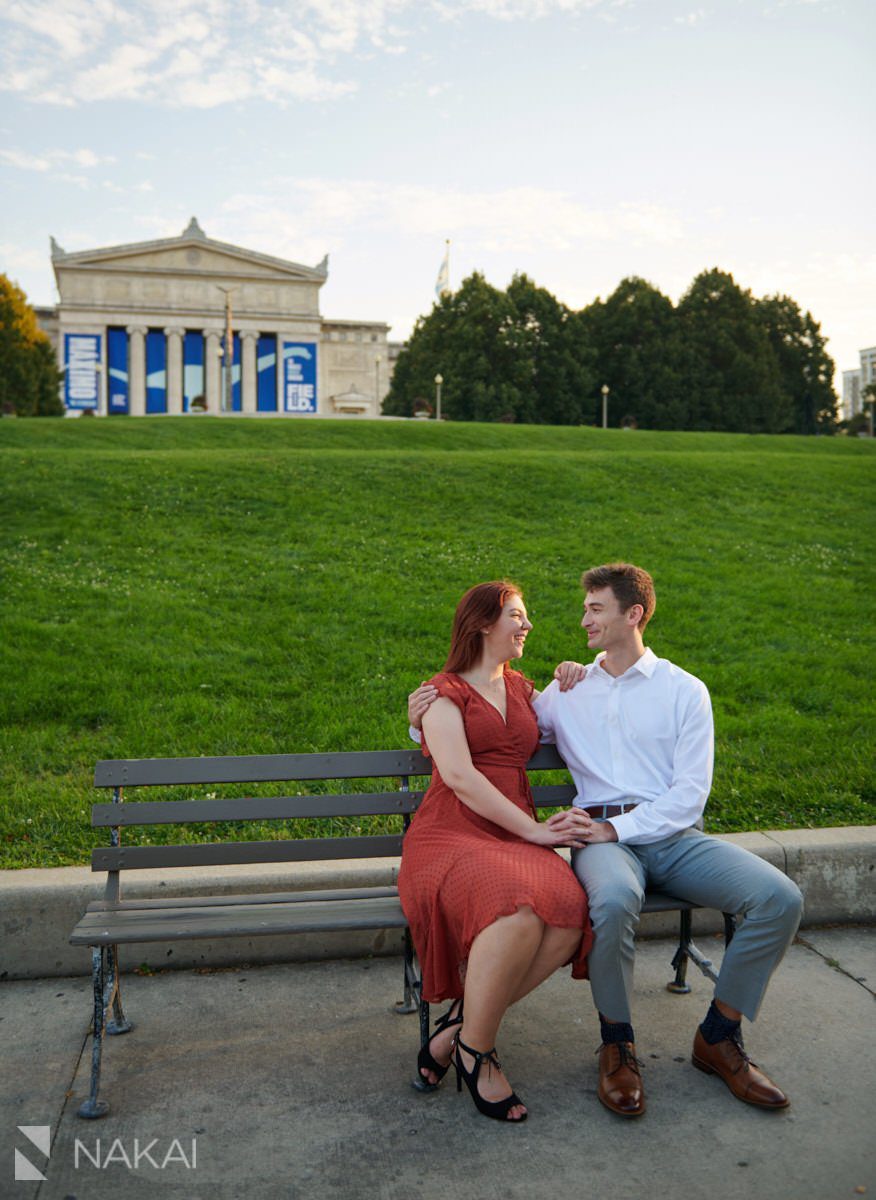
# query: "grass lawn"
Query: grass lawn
217,586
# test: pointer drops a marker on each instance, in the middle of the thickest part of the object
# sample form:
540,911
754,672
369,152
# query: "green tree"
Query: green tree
558,360
805,367
637,353
468,338
731,373
29,377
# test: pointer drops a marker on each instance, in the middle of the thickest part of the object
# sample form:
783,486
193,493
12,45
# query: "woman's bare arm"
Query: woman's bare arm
448,745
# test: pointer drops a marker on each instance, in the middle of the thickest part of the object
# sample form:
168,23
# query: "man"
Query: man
636,734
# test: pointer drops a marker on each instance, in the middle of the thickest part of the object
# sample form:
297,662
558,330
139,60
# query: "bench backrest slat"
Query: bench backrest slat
259,768
279,808
553,795
271,768
254,808
214,854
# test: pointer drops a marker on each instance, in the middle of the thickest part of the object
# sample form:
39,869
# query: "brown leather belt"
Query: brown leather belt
601,812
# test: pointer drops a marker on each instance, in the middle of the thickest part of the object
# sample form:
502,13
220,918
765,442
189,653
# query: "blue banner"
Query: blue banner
82,370
193,370
236,396
299,377
156,372
266,368
117,370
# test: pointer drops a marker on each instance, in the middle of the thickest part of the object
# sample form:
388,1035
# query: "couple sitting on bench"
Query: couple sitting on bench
494,911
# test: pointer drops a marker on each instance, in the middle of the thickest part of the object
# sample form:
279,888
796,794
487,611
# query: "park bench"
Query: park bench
115,921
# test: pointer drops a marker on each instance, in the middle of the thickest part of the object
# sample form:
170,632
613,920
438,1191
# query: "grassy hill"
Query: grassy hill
216,586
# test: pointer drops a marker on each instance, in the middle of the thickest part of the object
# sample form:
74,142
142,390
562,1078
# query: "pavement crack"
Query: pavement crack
68,1093
832,962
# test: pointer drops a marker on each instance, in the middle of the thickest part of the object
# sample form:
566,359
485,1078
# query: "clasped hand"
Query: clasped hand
576,828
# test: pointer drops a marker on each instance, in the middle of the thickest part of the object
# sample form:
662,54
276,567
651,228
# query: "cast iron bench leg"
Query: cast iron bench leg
105,981
92,1107
679,984
412,981
687,950
118,1022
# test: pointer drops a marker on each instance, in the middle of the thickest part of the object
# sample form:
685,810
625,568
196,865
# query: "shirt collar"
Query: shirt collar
645,664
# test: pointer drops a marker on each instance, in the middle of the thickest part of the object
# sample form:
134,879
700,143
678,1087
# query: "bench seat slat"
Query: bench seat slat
323,895
254,808
235,920
210,854
182,918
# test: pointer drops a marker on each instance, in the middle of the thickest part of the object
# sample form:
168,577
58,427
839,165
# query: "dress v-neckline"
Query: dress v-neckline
495,708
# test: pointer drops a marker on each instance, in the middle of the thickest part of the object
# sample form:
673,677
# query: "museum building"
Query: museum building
147,328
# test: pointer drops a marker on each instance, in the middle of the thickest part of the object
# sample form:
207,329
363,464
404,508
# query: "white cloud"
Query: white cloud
691,18
49,159
203,53
23,161
306,216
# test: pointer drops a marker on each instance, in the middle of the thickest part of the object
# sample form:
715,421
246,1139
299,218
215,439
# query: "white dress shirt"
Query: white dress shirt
645,736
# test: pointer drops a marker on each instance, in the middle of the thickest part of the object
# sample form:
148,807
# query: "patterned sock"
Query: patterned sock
615,1031
717,1027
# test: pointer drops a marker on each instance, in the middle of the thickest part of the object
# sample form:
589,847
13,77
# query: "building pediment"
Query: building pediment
192,253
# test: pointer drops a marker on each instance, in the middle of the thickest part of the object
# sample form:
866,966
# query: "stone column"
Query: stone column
103,377
248,370
281,379
174,337
137,370
212,370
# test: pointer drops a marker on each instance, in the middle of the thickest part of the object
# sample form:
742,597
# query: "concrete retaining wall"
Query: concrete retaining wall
834,869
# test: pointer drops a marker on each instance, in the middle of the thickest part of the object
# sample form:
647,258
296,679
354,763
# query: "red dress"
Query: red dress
460,872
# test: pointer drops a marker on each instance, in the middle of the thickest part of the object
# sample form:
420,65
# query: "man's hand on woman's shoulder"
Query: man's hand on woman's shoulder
419,702
569,673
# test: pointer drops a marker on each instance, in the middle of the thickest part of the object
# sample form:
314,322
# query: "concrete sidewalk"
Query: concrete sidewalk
293,1082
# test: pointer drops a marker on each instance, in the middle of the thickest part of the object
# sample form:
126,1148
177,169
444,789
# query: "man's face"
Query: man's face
604,623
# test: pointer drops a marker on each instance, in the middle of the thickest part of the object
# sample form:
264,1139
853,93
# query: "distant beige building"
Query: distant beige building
143,328
855,381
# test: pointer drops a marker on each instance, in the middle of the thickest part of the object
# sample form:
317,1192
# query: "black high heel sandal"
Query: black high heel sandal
425,1061
498,1109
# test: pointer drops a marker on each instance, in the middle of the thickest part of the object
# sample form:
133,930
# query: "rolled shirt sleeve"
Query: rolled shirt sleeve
543,705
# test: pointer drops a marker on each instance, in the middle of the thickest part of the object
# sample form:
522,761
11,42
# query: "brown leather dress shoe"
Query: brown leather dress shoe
620,1083
744,1078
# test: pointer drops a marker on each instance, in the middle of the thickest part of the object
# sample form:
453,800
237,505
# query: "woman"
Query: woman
492,909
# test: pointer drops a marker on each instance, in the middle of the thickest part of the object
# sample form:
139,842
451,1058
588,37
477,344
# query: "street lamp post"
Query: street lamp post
439,379
605,391
377,384
229,350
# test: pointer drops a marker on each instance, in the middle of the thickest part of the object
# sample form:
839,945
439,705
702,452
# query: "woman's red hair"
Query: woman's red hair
480,607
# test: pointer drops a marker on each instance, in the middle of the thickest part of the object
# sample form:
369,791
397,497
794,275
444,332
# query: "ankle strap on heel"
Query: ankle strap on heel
480,1056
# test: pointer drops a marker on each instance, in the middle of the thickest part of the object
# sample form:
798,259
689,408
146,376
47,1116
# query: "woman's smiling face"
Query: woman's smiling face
506,638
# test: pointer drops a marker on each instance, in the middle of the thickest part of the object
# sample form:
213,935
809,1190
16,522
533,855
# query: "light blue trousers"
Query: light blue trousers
692,866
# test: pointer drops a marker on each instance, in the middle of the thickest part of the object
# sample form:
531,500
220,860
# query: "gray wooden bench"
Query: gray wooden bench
114,921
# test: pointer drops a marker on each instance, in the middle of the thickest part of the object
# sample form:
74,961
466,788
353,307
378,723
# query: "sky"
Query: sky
578,141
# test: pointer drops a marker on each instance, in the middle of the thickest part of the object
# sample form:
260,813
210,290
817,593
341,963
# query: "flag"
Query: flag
442,283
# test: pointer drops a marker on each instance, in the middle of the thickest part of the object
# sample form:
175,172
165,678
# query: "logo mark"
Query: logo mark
41,1137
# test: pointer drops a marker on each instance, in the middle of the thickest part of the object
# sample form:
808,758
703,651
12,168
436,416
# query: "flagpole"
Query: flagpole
442,283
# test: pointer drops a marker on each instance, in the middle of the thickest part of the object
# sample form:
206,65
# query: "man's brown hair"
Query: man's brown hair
630,585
